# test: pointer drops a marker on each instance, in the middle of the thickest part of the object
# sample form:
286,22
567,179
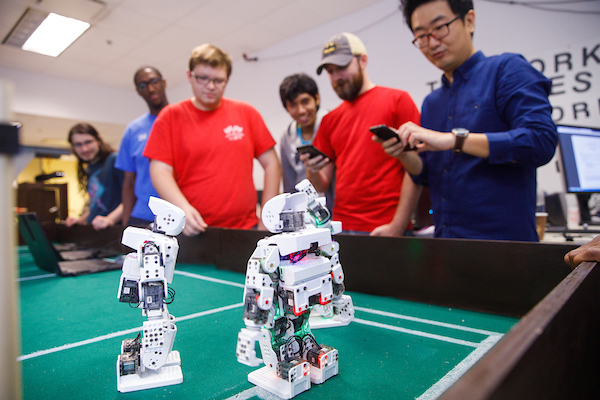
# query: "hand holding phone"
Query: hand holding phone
384,132
310,149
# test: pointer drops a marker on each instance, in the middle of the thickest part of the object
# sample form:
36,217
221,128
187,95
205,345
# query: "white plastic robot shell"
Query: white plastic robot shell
169,219
307,187
282,202
135,238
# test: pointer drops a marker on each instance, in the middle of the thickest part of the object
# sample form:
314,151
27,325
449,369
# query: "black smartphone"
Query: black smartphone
384,132
312,150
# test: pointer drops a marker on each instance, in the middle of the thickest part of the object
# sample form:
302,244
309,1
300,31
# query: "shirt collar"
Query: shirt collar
465,68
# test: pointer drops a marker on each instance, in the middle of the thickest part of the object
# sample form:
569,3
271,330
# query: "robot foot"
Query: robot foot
295,379
323,363
339,312
169,374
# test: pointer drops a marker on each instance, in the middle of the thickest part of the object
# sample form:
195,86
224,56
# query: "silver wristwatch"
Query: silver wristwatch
461,135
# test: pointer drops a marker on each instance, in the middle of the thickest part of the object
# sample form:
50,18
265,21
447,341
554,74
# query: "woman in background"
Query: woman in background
97,176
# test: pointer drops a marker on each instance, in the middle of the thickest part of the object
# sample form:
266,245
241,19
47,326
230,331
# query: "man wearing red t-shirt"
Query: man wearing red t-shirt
368,184
202,150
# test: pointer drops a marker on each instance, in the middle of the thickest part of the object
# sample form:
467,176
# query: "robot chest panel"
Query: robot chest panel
299,295
305,270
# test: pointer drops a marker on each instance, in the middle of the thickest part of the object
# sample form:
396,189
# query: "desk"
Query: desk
551,353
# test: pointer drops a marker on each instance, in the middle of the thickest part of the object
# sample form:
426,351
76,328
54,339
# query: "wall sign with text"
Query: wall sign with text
575,75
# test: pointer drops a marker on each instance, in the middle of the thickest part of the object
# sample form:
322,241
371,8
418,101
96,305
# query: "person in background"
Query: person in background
300,97
202,150
586,252
137,186
97,176
372,191
483,133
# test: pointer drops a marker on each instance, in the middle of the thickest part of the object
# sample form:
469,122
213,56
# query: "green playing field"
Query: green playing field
72,329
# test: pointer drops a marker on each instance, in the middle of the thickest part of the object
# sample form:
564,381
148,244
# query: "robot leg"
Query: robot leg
148,362
323,359
285,378
323,363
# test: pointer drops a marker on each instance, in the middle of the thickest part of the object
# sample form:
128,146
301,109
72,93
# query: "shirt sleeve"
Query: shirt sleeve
407,111
118,175
322,141
159,144
522,101
288,172
125,161
263,140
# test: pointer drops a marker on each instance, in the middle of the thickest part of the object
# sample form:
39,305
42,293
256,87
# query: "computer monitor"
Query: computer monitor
580,153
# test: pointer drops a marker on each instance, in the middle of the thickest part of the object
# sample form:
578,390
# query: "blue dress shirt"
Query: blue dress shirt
493,198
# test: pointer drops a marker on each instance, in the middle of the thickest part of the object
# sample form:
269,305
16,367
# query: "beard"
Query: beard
348,89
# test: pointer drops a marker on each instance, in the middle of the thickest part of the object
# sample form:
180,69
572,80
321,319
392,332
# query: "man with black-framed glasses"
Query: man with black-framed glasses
482,134
202,150
137,185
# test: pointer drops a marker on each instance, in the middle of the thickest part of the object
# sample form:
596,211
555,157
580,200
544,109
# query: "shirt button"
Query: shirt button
449,116
445,171
444,200
476,106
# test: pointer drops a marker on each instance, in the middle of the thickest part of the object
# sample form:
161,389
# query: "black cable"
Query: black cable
287,343
171,297
136,302
319,47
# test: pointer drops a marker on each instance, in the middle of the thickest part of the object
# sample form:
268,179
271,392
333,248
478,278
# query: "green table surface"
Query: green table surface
72,328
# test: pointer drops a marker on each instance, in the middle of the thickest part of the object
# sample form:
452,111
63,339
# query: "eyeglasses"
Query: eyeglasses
143,85
438,33
205,80
83,144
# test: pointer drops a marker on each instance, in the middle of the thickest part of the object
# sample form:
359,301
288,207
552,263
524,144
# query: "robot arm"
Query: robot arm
259,298
259,294
318,214
168,218
341,310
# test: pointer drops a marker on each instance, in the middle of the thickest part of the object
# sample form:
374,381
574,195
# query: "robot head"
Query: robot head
169,218
285,212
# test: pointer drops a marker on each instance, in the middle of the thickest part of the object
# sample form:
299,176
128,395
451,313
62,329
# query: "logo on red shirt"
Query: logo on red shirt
234,132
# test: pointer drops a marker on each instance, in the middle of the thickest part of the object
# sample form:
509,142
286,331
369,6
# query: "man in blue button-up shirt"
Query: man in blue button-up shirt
483,134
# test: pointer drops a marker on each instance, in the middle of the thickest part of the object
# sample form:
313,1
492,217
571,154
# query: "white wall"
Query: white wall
393,62
44,95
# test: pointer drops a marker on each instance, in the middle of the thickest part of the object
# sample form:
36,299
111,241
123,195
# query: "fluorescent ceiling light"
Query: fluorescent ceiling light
54,35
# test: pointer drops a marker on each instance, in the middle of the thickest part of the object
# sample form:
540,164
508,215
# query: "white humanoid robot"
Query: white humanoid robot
287,275
148,361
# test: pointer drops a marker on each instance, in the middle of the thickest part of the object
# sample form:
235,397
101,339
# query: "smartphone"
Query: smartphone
384,132
310,149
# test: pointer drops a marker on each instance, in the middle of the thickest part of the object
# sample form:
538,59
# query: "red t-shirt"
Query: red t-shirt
368,181
212,155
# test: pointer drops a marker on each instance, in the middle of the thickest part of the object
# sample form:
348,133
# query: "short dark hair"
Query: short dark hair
296,84
458,7
142,69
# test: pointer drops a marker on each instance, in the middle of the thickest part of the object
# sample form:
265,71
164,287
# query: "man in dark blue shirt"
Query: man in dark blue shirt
483,134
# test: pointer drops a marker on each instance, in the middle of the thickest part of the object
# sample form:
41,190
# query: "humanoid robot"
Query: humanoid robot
286,276
148,361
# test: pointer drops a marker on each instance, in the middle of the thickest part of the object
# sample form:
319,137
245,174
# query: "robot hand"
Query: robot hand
343,309
169,218
246,344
